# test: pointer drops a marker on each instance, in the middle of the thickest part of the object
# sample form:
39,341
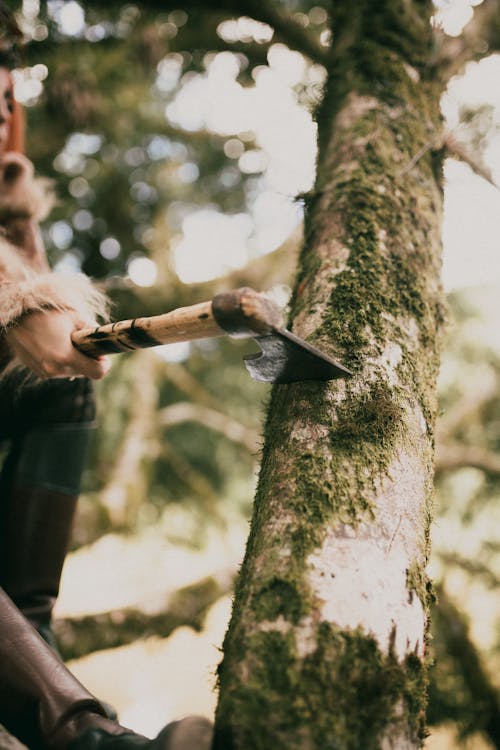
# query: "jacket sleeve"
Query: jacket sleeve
23,291
23,288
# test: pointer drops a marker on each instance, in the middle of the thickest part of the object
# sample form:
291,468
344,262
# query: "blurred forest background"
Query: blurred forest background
181,144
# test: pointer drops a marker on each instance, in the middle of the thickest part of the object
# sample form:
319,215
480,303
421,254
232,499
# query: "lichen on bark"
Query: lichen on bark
326,644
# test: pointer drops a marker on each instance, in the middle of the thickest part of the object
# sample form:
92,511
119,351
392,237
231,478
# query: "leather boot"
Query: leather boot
38,499
46,707
39,489
36,528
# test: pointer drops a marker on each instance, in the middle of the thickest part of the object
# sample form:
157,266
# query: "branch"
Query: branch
467,661
454,149
127,480
472,567
288,30
194,138
291,32
431,145
184,411
99,516
77,637
180,376
480,37
190,476
204,35
460,152
275,268
269,270
470,403
452,456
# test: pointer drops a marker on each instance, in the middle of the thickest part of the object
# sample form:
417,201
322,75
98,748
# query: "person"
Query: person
47,413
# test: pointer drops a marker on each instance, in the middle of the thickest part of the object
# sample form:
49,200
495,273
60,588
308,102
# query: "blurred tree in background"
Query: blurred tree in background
128,178
146,117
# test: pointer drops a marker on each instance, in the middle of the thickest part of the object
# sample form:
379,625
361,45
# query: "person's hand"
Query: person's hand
42,342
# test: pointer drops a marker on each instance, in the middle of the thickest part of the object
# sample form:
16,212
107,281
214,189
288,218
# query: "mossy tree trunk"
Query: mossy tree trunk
326,647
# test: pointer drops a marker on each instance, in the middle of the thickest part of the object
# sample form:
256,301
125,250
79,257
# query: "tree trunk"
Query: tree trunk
326,647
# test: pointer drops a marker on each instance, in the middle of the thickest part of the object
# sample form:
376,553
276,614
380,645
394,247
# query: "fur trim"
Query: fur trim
51,291
12,265
22,194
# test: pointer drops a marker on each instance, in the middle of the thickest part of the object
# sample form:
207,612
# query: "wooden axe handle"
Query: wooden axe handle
242,312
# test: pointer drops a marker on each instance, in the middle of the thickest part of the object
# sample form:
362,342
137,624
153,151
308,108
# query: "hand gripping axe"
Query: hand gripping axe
285,358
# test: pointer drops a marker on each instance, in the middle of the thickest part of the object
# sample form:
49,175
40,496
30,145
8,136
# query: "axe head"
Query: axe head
285,358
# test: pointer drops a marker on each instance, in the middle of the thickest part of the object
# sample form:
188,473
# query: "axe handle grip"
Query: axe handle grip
242,312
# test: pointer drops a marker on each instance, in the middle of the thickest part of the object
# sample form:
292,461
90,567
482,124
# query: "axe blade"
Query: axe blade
286,358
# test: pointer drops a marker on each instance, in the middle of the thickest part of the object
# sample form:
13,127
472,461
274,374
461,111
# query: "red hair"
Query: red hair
17,125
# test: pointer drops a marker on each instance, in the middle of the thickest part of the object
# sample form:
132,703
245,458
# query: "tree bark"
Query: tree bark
326,646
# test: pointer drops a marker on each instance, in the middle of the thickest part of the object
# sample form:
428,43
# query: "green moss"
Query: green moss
377,197
337,487
373,417
385,282
396,25
330,489
373,45
343,695
419,583
379,283
279,597
332,484
375,211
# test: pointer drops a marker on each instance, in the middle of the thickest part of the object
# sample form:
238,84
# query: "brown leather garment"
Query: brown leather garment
47,708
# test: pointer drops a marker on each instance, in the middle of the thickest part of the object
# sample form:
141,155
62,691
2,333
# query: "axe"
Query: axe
242,313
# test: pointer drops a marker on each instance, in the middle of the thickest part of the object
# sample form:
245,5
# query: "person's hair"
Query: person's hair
10,40
17,128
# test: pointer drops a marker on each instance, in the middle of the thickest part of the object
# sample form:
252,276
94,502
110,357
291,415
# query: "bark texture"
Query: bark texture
326,647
